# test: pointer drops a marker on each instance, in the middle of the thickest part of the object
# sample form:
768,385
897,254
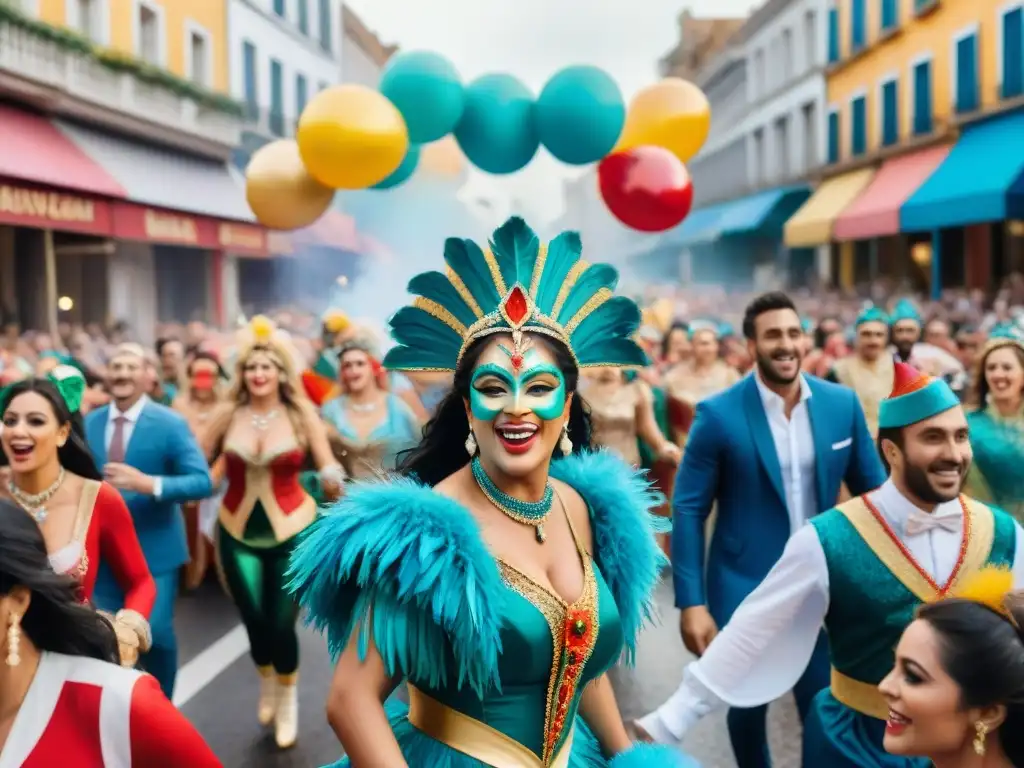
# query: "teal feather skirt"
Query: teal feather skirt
422,751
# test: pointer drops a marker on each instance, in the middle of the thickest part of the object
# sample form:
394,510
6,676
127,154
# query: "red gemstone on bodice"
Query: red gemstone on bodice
516,306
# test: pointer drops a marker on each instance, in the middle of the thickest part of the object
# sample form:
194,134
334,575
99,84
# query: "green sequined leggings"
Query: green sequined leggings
255,577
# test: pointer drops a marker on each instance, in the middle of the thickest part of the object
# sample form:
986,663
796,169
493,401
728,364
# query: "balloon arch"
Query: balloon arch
352,137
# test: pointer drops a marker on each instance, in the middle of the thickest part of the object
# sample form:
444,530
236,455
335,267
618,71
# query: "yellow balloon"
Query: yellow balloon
280,190
351,137
673,114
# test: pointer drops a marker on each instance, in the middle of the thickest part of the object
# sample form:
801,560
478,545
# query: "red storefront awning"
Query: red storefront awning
876,212
35,151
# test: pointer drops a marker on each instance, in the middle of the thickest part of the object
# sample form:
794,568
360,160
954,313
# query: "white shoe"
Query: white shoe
268,696
286,718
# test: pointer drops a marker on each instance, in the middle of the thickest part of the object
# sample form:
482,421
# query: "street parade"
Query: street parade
326,441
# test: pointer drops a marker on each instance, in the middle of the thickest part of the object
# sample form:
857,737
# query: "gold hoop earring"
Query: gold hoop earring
14,641
564,443
470,444
980,734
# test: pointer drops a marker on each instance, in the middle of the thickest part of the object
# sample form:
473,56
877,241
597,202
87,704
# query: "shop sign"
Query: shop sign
156,225
242,238
48,209
170,228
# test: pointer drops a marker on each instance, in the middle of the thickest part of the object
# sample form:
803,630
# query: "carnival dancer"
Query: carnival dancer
905,324
266,430
205,378
869,370
956,694
772,450
997,423
622,413
861,569
500,593
65,701
148,453
370,423
83,520
321,381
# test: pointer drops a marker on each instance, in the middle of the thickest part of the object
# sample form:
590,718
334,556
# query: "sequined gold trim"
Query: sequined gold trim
570,280
585,311
463,291
473,738
859,696
495,270
538,270
435,310
979,545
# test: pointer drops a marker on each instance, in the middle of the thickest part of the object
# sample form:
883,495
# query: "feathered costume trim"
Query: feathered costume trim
415,560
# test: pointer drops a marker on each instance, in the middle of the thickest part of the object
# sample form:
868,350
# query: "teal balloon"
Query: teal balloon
427,90
580,114
403,171
497,132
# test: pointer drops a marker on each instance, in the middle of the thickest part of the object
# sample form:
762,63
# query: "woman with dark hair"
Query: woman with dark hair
997,423
502,576
956,694
65,702
82,519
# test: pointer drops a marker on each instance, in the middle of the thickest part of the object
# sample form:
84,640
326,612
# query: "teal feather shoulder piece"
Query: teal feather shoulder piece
517,284
406,564
621,500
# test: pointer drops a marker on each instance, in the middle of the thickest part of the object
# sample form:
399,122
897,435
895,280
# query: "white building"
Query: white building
281,53
364,55
785,56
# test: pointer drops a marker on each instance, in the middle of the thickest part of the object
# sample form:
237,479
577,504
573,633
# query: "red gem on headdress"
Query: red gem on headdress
517,361
516,306
907,379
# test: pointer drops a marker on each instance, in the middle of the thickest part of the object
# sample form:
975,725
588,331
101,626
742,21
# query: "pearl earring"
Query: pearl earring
14,641
471,444
564,443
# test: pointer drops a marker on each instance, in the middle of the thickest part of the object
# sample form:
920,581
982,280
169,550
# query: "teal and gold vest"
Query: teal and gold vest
875,588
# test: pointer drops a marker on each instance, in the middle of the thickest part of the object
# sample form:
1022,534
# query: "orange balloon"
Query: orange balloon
280,191
674,114
442,158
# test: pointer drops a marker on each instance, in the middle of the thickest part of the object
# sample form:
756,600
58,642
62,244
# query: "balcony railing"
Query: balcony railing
71,81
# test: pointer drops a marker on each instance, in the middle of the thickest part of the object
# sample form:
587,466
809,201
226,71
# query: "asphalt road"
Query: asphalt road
218,687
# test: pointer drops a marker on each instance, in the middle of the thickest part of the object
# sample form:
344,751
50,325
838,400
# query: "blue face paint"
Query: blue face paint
496,389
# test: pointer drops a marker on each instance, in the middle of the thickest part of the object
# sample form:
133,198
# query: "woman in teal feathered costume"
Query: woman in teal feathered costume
505,573
997,425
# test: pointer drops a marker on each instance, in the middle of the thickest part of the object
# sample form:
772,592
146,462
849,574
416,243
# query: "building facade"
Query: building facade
116,200
923,183
364,53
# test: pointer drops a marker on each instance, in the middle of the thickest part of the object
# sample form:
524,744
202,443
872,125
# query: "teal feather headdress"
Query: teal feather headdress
515,285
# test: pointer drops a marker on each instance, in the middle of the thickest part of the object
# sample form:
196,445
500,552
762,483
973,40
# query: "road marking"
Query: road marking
206,666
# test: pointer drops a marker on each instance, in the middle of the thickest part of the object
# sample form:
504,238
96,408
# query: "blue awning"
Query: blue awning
700,226
979,181
763,214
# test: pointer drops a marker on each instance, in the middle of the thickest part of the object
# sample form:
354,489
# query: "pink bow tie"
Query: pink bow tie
921,522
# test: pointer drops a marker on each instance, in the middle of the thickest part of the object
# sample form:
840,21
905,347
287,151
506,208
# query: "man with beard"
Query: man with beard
147,452
860,569
772,451
869,370
906,329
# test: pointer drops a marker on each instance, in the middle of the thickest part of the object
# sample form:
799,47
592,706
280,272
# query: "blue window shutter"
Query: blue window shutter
279,8
890,14
252,98
833,137
1013,54
890,113
325,25
276,98
858,126
833,35
304,16
967,74
923,98
858,25
301,94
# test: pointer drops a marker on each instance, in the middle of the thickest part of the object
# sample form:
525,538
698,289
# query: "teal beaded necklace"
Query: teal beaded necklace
533,513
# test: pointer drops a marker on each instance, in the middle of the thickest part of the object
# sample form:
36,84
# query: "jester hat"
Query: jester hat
915,397
515,285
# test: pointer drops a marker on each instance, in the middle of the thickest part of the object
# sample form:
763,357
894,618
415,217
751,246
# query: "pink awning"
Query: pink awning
876,212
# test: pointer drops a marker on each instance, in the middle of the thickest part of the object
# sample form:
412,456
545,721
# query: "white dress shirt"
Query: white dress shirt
766,646
131,417
794,444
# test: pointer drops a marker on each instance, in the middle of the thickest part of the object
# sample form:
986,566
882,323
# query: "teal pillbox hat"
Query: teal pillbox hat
915,397
872,315
904,310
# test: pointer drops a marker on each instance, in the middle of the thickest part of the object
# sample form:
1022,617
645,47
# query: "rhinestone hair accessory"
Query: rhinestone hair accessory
516,285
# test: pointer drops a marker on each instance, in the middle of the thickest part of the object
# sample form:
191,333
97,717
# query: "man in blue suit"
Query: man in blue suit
148,453
772,450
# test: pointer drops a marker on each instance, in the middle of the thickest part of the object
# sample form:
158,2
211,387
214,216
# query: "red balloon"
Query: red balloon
646,188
